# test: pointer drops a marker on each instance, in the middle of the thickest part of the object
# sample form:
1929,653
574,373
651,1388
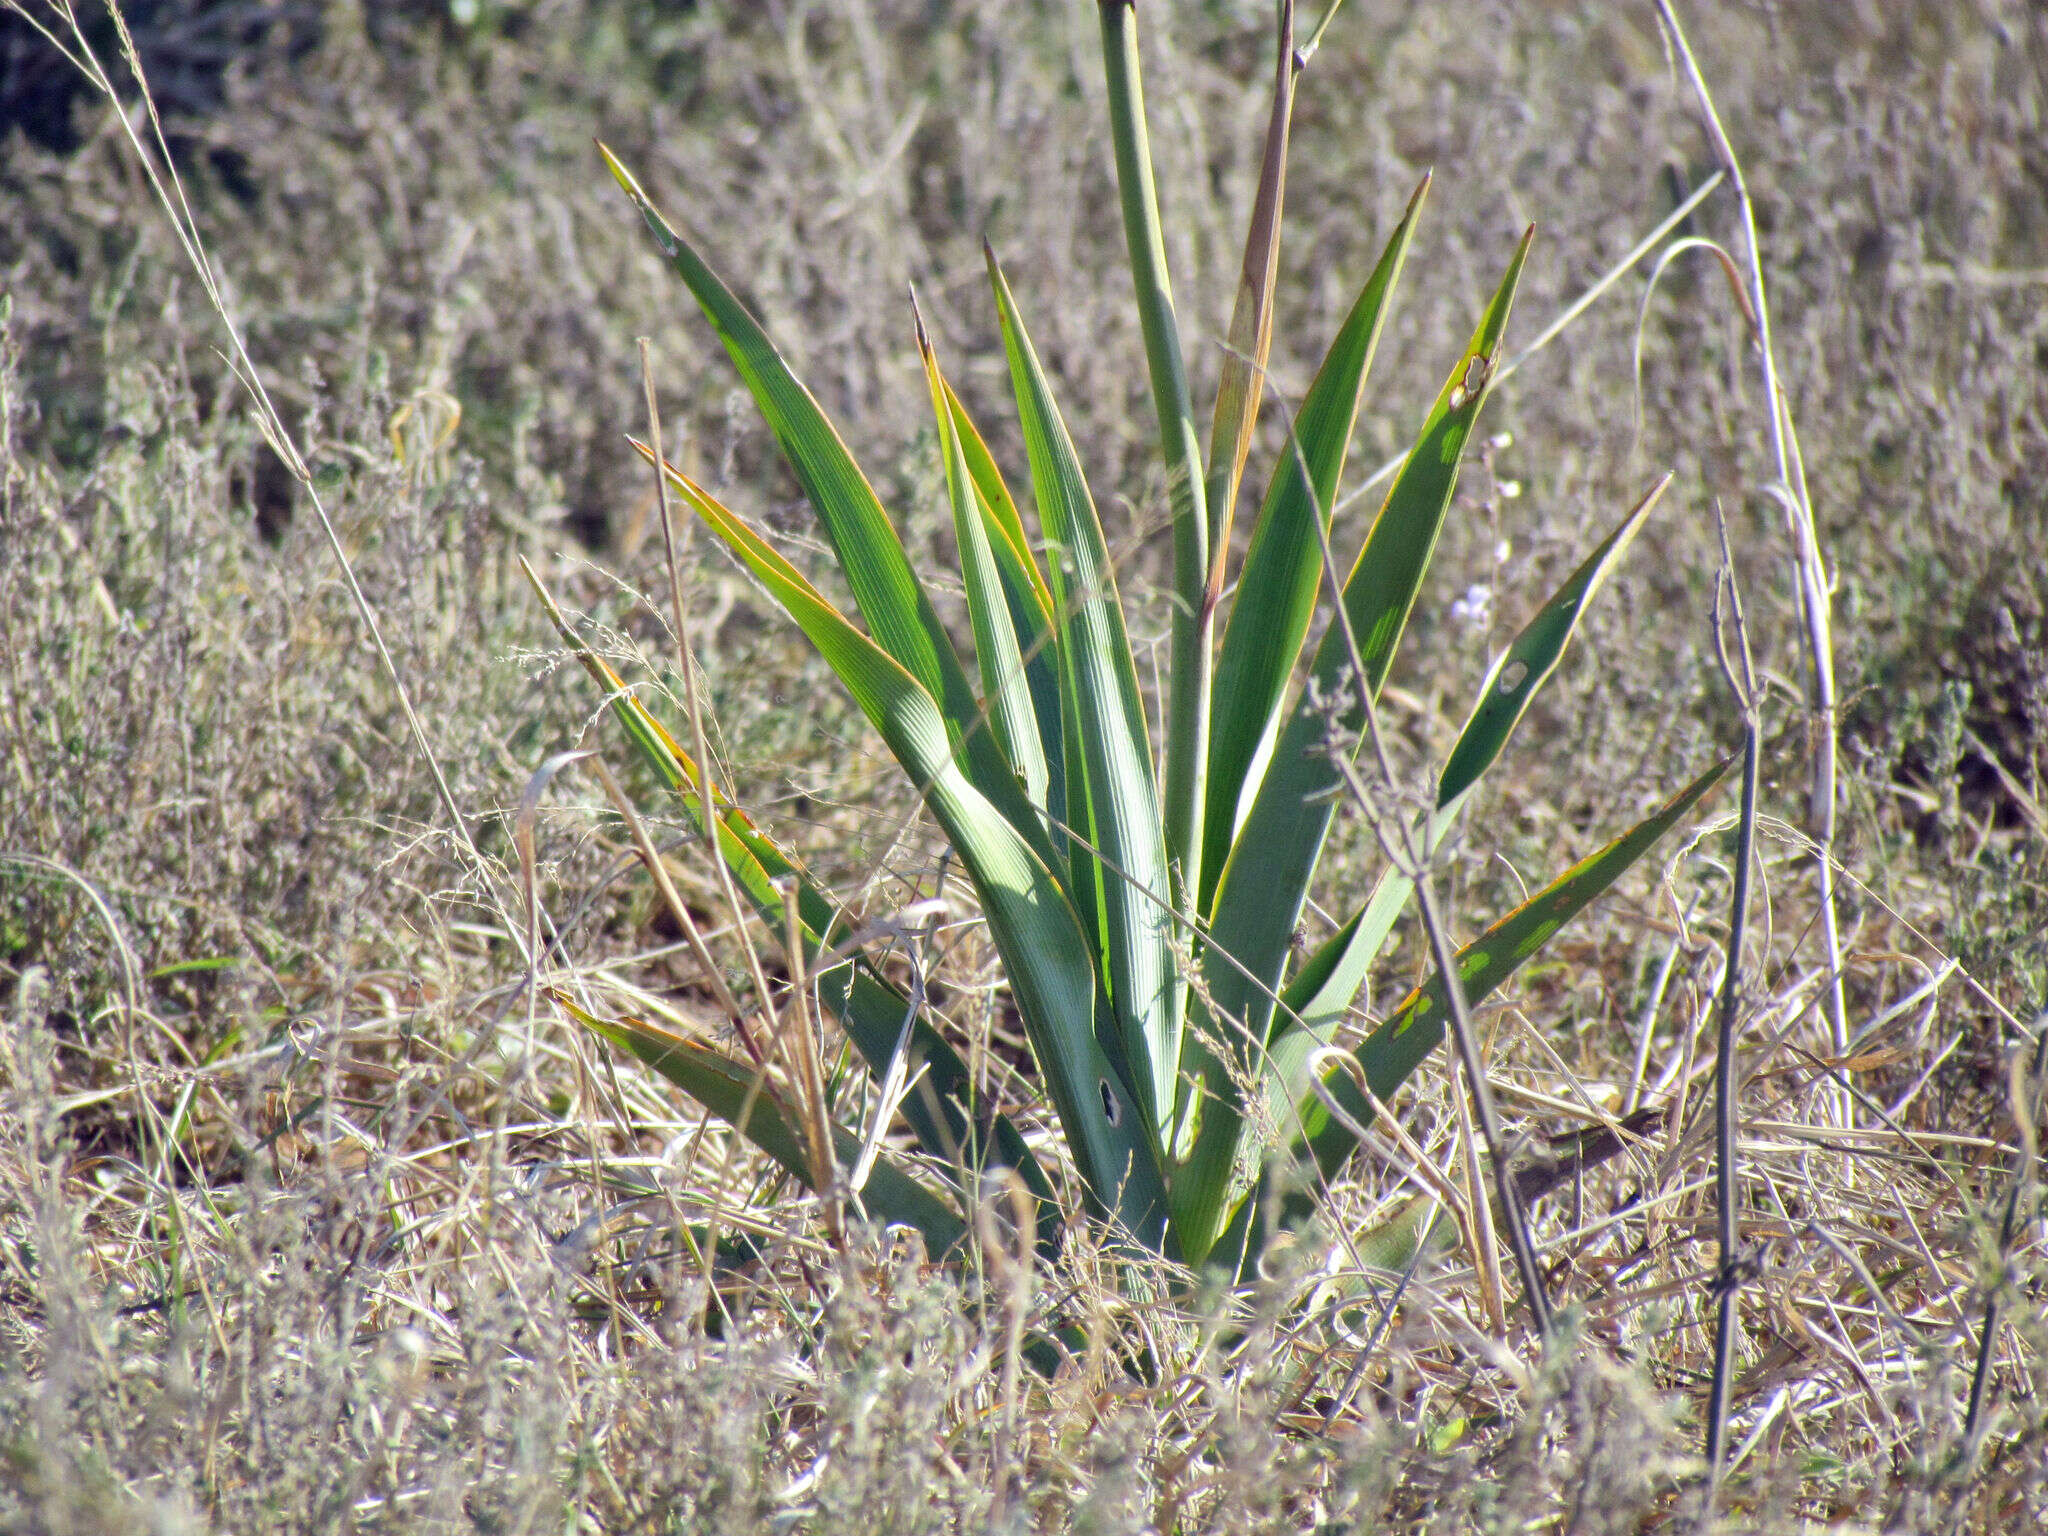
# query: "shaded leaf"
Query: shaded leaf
732,1089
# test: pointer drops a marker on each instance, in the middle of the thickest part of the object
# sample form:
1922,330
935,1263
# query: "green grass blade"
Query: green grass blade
1030,601
725,1087
1265,880
1108,725
1266,877
1284,566
898,611
1527,663
1006,689
1050,965
1394,1050
945,1119
1187,712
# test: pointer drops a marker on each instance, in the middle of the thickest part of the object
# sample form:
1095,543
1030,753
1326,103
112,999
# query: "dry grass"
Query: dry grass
311,1218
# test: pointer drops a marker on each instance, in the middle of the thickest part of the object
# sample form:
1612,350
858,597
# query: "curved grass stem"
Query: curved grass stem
1810,576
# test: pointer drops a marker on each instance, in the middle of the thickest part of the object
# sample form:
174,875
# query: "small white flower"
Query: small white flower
1473,608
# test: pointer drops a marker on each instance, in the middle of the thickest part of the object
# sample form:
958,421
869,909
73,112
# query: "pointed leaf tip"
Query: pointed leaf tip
924,345
624,177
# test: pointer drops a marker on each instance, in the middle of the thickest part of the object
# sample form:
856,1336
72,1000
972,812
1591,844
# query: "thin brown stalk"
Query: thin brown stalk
1809,569
1250,338
661,501
1486,1239
707,804
1507,1196
1398,841
1730,1272
1009,1249
714,976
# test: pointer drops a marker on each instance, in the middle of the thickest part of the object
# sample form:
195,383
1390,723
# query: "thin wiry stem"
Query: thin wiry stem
1342,1399
1810,571
1308,49
661,501
2026,1116
1399,842
1507,1194
1729,1275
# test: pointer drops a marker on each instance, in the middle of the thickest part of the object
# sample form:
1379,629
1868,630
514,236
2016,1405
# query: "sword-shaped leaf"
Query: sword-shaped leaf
1529,661
1276,589
732,1089
1005,686
1000,504
1503,699
944,1113
1390,1055
885,586
1180,451
1393,1051
1049,963
1265,879
1030,603
1108,739
1319,994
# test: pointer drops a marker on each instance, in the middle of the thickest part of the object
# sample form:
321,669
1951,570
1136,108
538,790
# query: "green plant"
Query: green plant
1144,919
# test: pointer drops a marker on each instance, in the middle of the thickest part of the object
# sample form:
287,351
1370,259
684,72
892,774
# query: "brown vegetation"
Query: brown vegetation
314,1216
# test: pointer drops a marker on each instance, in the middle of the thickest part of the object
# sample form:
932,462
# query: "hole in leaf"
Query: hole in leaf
1112,1111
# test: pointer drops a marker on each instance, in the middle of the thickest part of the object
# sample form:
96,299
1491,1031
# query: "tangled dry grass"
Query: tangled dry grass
316,1217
